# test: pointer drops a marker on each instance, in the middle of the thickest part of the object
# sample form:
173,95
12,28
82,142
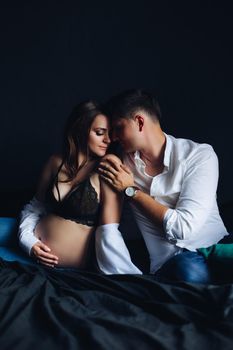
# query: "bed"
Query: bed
44,308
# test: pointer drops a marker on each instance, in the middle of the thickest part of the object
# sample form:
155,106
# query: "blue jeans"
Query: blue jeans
187,267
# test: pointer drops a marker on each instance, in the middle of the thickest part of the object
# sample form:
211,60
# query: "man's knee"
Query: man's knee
188,267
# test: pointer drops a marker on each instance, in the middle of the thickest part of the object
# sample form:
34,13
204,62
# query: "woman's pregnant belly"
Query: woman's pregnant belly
69,240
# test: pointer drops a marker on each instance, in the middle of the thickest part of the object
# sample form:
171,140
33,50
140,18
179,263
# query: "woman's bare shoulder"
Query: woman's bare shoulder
112,157
48,172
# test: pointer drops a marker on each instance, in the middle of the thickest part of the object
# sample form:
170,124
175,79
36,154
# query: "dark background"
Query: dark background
57,53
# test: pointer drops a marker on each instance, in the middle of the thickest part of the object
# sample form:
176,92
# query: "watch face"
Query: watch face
130,191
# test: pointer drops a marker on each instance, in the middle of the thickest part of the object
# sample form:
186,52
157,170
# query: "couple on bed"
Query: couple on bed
169,183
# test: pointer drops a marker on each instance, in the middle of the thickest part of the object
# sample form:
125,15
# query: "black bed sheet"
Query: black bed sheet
42,308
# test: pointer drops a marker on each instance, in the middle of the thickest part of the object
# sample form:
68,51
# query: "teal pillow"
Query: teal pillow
218,253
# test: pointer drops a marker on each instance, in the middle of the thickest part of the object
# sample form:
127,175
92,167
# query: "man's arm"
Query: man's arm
197,197
118,176
195,201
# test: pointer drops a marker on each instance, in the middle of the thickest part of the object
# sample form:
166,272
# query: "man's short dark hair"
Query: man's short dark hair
128,102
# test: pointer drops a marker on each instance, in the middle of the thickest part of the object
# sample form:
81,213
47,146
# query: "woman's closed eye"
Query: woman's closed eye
100,132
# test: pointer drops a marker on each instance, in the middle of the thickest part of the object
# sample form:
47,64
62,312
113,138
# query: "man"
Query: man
171,186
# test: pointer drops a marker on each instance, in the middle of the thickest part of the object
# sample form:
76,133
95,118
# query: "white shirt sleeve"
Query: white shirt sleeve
29,217
112,254
197,196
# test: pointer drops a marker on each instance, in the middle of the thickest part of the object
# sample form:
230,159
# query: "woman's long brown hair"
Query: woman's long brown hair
76,136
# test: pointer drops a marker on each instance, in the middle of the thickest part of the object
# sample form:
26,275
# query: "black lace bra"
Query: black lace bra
80,204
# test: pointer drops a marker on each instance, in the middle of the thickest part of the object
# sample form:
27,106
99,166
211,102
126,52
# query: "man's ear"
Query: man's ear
140,121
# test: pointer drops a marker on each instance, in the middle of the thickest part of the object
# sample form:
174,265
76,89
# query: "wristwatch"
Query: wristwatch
130,191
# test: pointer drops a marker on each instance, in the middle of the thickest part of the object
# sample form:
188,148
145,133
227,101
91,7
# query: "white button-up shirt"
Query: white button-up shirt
187,186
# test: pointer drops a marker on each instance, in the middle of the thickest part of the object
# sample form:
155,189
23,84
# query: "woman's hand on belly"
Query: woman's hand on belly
67,240
41,252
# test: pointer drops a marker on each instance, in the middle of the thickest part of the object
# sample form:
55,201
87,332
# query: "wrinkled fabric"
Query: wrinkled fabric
42,308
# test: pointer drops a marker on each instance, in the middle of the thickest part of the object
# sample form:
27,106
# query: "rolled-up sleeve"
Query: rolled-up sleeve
29,217
111,252
197,196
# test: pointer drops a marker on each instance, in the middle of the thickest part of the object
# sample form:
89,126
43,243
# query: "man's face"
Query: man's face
125,131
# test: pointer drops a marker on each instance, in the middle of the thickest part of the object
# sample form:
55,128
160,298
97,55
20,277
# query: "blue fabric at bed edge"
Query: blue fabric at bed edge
9,248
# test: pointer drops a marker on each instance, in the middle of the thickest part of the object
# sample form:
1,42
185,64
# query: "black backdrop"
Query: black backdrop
56,53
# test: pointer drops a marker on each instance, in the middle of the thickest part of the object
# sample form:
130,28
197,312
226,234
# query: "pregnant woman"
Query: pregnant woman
56,227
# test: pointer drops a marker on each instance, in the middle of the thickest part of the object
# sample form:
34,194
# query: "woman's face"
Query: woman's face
98,140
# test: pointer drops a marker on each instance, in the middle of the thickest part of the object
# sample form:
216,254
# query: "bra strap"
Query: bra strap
55,181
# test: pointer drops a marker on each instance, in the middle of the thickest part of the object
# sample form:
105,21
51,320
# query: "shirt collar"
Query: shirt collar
167,154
